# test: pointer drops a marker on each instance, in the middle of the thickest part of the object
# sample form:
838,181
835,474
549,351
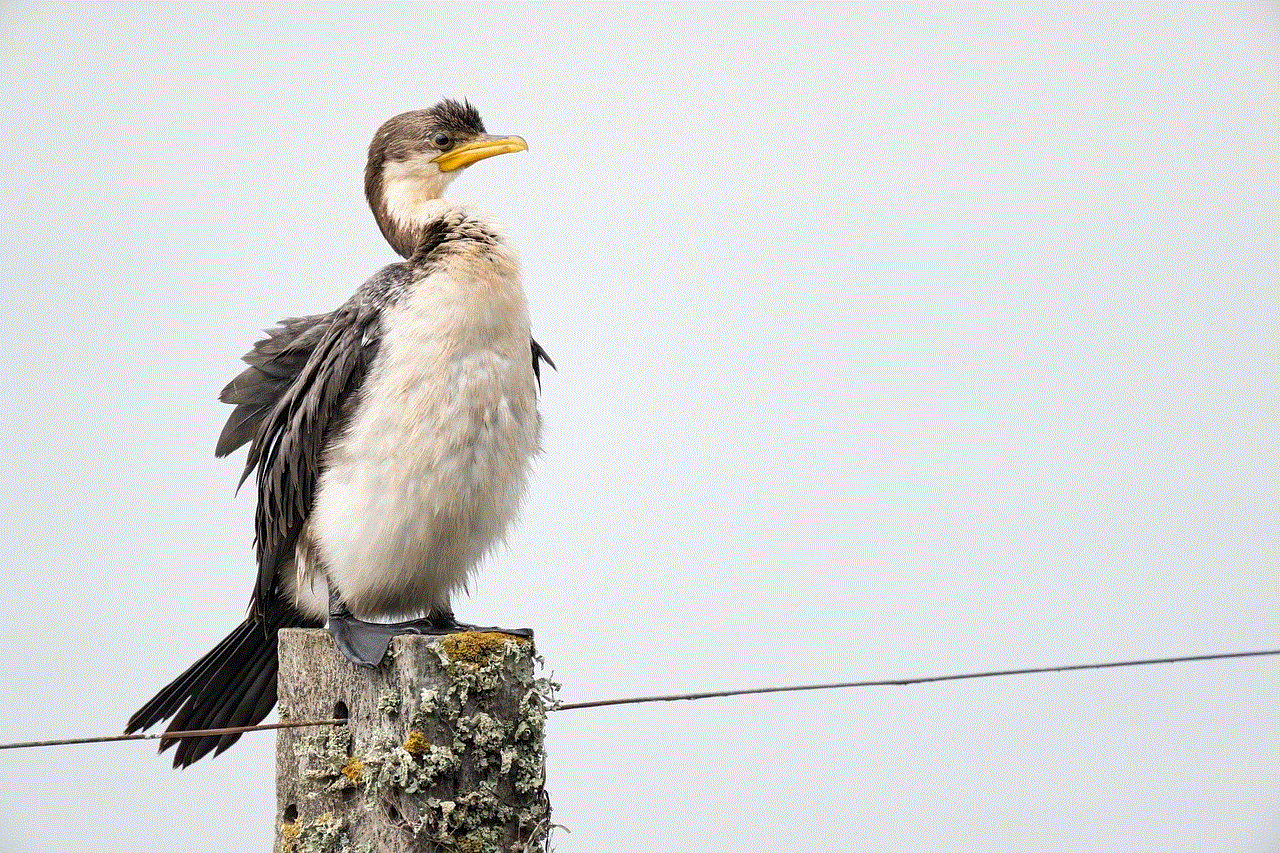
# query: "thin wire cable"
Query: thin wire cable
903,682
715,694
234,730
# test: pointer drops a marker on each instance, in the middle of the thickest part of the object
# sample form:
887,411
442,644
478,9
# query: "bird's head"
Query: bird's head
415,155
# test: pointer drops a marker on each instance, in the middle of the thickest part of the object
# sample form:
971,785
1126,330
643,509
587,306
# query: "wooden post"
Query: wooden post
443,751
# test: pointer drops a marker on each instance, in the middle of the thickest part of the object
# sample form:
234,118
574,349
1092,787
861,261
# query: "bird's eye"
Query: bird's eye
441,141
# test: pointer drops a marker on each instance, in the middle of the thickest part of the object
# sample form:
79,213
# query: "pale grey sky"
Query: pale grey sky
893,340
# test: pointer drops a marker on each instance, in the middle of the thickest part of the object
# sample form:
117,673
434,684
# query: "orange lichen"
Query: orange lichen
416,742
354,771
476,646
289,837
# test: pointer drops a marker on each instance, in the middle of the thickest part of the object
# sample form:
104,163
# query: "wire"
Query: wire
234,730
715,694
902,682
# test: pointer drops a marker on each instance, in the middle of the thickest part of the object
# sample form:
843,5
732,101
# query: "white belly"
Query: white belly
433,465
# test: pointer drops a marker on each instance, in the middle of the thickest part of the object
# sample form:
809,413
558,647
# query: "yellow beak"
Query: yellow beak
478,149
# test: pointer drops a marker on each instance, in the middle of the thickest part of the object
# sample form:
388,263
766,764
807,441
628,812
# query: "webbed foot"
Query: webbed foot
365,643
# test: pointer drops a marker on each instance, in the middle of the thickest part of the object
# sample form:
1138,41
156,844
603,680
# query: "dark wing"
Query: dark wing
540,355
274,362
293,408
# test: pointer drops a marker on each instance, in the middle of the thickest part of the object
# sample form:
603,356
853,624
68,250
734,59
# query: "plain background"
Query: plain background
893,340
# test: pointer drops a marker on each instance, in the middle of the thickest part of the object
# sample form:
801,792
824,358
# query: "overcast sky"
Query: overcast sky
892,340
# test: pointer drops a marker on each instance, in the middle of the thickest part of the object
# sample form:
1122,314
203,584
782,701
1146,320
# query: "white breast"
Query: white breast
434,463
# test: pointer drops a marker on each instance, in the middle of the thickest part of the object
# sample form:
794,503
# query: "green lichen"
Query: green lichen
327,757
325,834
389,704
482,732
479,662
470,822
434,708
393,769
410,779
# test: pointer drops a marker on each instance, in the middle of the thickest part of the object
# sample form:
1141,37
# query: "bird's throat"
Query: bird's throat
409,199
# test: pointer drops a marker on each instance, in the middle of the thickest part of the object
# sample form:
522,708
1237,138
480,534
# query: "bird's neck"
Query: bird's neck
406,201
407,225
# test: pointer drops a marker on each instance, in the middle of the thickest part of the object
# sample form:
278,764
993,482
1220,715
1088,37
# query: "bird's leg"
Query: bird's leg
365,643
362,643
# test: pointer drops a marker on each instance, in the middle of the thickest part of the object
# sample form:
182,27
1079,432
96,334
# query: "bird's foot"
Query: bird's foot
366,643
448,625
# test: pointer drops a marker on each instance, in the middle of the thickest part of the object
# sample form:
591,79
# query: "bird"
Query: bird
391,439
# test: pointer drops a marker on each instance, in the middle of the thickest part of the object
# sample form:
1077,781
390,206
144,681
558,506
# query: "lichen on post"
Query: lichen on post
443,750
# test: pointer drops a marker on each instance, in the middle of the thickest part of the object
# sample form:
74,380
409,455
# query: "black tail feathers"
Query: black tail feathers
233,685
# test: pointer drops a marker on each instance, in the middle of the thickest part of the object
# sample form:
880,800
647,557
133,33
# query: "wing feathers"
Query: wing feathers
539,355
274,363
291,399
289,439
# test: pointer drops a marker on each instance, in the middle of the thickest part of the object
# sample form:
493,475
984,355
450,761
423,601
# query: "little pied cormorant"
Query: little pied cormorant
391,438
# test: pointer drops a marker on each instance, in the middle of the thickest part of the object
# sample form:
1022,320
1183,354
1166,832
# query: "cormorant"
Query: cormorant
391,438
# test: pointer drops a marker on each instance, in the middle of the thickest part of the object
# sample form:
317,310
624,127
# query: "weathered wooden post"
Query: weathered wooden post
443,750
